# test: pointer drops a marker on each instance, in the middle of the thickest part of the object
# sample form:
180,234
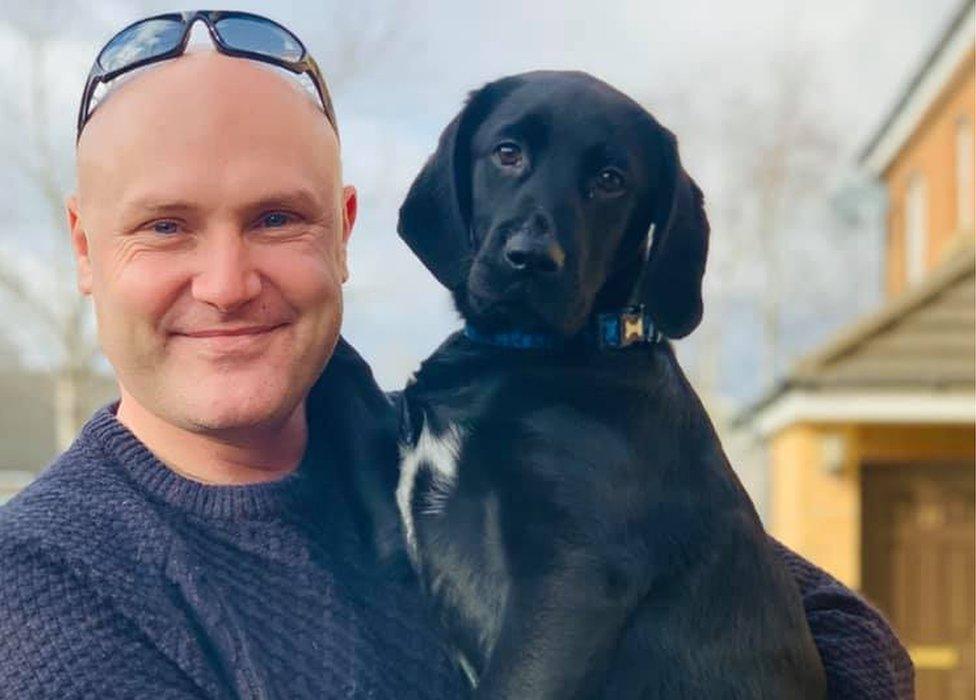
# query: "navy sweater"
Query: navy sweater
121,579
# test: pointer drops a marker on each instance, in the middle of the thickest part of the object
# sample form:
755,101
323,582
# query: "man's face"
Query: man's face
210,228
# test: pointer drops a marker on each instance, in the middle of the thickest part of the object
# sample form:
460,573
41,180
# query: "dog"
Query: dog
565,501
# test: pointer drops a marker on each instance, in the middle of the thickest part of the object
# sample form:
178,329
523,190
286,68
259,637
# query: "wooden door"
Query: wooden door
919,568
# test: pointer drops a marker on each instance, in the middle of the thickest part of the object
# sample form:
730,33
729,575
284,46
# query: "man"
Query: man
176,549
182,547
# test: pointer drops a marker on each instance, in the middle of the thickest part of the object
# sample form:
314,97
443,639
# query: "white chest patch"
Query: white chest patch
439,455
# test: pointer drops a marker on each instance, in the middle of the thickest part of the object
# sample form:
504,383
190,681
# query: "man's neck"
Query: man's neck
230,457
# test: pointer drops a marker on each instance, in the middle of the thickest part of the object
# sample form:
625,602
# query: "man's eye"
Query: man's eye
165,227
275,219
508,154
610,181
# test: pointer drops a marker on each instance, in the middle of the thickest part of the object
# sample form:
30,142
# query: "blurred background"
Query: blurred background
834,144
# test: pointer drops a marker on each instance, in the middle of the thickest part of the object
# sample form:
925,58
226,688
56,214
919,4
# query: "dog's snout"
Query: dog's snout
534,253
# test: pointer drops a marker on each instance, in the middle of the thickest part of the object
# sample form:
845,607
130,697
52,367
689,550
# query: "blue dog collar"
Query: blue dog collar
619,329
514,339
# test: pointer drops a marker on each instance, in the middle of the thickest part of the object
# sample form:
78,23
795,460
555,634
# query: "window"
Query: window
916,233
964,173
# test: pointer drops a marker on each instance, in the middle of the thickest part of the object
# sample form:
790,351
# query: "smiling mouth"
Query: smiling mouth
230,332
240,342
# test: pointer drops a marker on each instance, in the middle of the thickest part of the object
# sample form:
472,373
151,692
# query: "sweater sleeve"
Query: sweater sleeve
60,639
861,654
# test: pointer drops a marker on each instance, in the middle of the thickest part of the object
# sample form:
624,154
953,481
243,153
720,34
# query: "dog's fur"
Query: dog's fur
570,511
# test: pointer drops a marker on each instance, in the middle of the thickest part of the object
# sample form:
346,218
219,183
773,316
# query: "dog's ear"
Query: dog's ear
435,217
431,221
671,283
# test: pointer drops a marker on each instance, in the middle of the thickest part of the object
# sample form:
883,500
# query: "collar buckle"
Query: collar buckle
631,325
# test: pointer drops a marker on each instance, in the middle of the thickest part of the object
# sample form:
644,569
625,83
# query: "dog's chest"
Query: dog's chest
454,454
485,476
428,474
452,531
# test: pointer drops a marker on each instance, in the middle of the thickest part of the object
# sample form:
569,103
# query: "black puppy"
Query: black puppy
565,500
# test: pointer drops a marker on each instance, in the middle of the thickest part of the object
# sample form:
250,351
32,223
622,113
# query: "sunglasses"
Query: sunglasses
240,34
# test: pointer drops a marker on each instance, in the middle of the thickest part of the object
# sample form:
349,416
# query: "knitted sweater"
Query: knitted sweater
121,579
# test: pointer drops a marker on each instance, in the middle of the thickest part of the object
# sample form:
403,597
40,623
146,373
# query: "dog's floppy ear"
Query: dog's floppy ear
435,216
671,284
431,221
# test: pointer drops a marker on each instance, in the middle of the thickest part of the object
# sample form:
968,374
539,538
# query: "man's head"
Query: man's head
210,228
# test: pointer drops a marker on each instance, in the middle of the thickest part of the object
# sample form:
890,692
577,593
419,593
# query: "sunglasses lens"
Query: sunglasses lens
259,36
144,40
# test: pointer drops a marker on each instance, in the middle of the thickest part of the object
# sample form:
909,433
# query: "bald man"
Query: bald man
182,547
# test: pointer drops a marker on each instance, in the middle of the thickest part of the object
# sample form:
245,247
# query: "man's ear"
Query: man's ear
350,207
671,283
435,216
79,245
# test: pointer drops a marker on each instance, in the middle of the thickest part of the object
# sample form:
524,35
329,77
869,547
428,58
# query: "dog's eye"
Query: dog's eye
508,154
610,181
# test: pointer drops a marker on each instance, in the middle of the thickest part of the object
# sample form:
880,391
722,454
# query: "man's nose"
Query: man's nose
227,278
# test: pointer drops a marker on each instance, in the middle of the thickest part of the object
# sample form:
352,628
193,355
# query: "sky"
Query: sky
400,70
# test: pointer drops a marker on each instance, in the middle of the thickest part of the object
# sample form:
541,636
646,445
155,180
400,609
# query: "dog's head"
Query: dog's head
538,207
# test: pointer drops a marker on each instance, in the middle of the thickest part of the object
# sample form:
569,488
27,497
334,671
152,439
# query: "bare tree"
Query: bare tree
58,316
793,161
348,39
773,156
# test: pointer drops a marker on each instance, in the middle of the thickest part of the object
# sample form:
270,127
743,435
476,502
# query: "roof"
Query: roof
925,338
922,342
922,90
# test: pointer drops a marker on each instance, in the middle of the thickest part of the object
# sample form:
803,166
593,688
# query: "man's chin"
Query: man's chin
231,408
217,421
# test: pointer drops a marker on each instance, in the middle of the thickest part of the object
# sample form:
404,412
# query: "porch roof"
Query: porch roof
919,348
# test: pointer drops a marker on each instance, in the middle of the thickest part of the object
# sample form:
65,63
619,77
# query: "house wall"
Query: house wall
815,487
931,151
813,511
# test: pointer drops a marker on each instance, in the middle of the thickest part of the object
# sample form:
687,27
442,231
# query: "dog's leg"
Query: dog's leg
556,641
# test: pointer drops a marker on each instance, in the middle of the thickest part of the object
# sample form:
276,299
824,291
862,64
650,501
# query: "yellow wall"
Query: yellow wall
931,151
817,512
814,512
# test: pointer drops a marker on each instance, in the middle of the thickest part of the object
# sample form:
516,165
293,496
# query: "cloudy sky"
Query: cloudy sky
401,69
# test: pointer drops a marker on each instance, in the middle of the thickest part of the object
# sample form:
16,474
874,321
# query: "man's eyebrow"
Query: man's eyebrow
144,206
299,198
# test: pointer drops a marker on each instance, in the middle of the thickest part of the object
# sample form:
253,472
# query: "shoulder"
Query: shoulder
62,633
352,430
60,496
82,510
861,653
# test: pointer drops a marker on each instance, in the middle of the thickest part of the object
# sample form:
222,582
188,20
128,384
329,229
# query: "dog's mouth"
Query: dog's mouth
523,303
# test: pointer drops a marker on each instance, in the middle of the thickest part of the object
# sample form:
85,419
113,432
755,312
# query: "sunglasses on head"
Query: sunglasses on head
240,34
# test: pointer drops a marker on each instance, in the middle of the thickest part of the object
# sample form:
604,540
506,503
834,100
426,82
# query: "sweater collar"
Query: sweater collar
252,501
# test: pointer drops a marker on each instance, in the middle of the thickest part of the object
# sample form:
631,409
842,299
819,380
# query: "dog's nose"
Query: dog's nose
534,253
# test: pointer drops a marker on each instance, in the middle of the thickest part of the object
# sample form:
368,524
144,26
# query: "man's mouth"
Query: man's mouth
230,331
226,342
